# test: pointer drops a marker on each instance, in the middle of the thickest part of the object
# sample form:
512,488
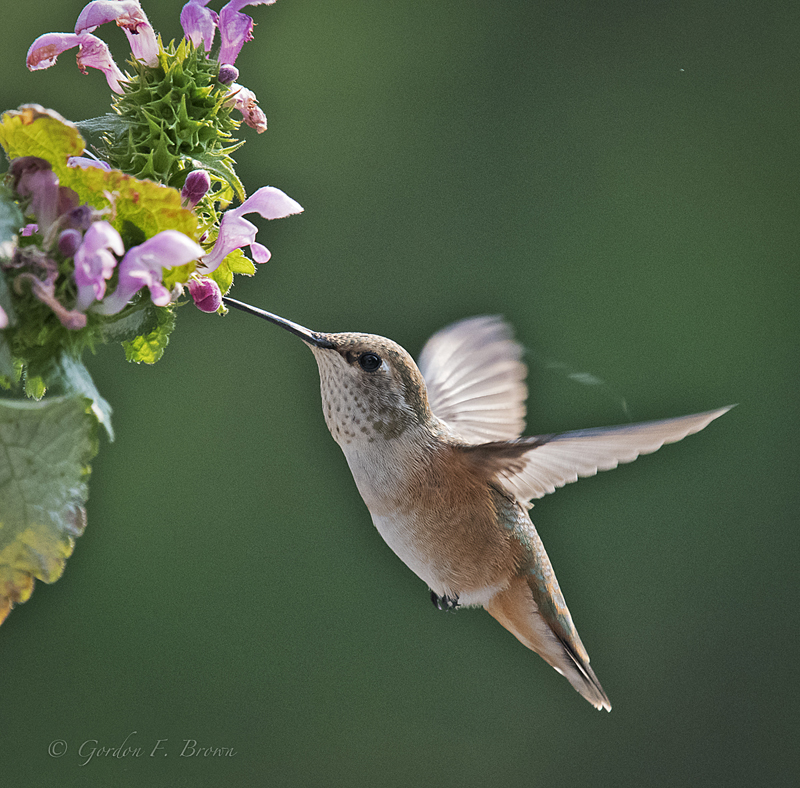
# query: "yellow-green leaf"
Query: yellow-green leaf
148,205
45,449
33,130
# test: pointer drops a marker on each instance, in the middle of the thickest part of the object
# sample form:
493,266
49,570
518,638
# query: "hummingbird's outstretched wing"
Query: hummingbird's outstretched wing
476,380
531,467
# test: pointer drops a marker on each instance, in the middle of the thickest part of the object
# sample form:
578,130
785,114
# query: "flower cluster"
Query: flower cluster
105,244
63,229
199,23
111,238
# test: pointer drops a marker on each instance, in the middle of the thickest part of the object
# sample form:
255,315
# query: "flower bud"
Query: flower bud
195,186
206,294
228,74
69,242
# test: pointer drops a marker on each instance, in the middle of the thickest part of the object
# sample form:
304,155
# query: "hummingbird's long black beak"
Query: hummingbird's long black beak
312,337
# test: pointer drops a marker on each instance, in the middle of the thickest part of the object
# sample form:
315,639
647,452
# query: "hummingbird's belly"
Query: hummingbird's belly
441,518
454,561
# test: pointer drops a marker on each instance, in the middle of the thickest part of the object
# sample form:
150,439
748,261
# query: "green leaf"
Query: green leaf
236,262
239,263
10,222
150,347
7,368
148,205
33,130
110,123
35,386
72,377
45,450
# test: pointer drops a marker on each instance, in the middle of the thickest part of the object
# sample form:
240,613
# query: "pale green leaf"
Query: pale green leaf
45,449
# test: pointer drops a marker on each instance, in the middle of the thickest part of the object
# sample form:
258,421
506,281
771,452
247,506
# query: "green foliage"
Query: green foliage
45,450
149,348
10,222
236,262
145,204
33,130
174,119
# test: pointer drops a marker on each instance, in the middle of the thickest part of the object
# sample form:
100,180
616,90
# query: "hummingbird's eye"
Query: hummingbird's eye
369,362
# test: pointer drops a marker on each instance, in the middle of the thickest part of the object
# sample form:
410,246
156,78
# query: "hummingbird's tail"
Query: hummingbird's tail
517,611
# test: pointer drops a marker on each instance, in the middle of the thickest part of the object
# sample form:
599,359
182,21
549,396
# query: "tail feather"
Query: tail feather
517,611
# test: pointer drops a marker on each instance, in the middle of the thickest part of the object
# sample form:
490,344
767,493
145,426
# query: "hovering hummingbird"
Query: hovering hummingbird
436,453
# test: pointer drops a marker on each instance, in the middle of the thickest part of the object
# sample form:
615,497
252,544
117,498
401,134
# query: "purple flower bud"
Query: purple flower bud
228,74
29,229
206,294
195,186
3,318
79,218
69,241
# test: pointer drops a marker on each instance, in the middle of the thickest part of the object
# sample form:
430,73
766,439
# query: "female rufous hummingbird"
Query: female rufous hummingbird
436,453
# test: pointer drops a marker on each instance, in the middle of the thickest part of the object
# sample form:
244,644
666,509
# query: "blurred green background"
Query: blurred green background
620,180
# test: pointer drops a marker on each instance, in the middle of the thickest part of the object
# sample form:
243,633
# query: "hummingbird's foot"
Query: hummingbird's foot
444,602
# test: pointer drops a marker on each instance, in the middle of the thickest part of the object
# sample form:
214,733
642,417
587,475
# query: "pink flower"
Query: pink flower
199,23
245,101
128,15
94,263
144,265
33,177
92,52
235,231
235,28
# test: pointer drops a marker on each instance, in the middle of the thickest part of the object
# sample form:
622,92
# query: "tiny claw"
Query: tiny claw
444,602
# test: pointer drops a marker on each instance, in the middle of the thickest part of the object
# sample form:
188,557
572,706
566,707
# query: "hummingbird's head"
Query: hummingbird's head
371,387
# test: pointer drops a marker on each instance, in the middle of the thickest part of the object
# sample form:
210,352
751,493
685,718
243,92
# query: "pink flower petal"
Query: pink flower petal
84,162
260,253
199,23
44,51
128,15
245,101
94,263
235,231
144,265
235,28
92,52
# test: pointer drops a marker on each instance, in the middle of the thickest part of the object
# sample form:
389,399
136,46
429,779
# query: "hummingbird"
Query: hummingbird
437,453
